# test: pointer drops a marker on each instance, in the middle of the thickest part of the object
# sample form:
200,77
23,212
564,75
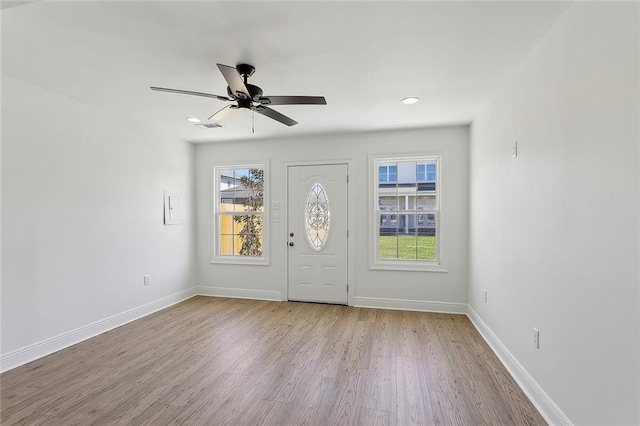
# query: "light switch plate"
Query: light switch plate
172,209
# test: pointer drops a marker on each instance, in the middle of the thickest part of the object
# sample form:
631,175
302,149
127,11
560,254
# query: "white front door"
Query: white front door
317,233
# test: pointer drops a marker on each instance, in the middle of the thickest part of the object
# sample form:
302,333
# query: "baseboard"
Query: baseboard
239,293
48,346
410,305
538,397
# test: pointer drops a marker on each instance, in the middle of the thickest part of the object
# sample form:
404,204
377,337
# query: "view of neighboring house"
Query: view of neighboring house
233,193
235,196
227,181
407,187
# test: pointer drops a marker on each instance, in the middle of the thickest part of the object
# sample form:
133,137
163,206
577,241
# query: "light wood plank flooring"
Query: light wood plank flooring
216,361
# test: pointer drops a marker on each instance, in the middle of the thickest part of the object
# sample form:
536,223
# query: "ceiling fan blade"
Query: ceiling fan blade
188,92
271,113
292,100
223,112
234,81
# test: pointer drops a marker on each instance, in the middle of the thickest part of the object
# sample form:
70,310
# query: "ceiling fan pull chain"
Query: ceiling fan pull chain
253,121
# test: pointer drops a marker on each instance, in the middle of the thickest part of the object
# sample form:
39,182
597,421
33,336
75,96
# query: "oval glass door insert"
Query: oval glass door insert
317,217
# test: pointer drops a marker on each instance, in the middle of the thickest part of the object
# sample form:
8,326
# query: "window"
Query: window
406,225
387,173
239,215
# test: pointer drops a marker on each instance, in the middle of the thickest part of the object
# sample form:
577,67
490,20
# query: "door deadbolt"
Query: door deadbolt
291,234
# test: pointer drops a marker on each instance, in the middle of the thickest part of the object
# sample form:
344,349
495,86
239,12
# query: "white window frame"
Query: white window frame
216,257
439,265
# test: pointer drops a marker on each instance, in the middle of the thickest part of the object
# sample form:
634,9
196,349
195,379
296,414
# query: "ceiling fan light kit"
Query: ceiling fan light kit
248,96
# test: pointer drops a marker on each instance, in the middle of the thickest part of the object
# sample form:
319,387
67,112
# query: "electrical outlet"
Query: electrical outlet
486,296
536,338
147,280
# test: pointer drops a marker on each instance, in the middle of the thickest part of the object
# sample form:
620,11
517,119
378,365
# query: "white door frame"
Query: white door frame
351,287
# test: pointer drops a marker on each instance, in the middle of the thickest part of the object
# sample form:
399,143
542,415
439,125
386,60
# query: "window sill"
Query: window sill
238,260
407,266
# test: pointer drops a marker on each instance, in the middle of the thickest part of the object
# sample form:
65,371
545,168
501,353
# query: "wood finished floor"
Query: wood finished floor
216,361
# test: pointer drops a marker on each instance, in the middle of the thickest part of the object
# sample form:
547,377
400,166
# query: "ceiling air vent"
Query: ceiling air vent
208,125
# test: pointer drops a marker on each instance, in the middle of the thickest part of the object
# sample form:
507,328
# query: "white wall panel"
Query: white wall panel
451,142
554,232
82,215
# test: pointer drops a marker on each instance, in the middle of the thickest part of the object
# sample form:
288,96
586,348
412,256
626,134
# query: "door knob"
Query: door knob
291,244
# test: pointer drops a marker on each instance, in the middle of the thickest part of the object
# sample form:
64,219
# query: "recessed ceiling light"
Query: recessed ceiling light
193,119
410,100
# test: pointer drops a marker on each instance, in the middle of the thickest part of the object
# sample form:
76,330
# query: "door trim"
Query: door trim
351,286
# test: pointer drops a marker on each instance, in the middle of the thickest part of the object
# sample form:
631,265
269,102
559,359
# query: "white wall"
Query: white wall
82,215
554,232
371,287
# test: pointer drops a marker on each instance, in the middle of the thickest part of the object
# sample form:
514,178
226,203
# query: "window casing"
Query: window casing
406,224
239,222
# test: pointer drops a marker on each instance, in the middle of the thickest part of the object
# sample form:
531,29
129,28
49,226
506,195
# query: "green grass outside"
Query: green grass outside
409,247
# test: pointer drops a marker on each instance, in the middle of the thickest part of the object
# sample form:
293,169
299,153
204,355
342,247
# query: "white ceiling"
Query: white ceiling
362,56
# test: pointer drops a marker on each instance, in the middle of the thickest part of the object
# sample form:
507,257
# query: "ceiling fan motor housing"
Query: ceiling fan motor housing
254,92
246,70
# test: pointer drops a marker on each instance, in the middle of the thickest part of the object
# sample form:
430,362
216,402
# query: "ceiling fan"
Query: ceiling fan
248,96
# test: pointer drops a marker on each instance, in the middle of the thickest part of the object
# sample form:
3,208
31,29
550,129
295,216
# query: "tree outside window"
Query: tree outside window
251,224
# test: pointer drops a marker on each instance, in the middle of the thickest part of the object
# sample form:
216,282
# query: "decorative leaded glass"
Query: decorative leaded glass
316,217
